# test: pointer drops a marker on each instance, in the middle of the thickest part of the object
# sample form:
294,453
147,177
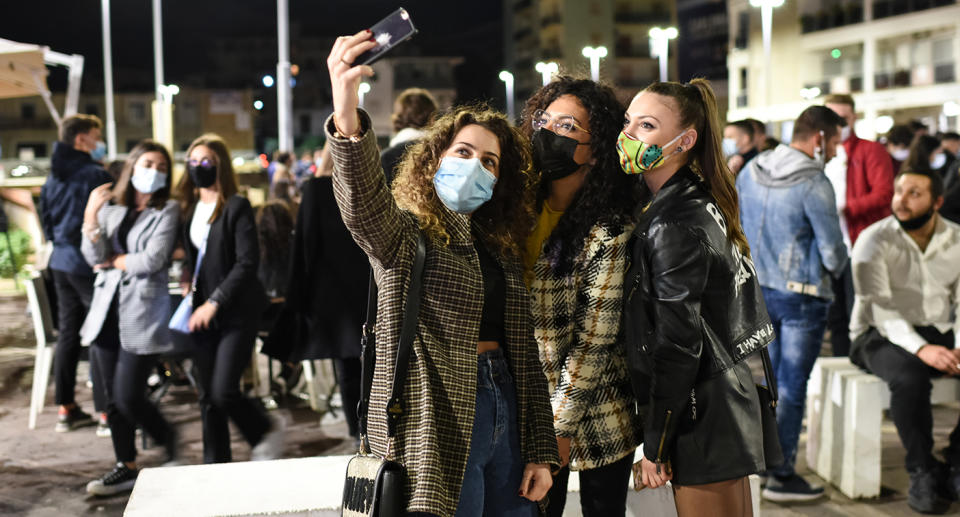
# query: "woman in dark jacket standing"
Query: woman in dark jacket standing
693,307
228,299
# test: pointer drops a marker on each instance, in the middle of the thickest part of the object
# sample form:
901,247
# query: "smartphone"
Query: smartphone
388,33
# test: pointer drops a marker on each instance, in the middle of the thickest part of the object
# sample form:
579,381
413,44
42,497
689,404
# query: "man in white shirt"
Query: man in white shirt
906,275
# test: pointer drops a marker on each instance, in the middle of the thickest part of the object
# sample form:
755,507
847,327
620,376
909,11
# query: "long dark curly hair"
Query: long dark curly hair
507,216
607,195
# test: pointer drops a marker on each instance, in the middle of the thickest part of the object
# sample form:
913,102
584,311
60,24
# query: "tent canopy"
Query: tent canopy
23,72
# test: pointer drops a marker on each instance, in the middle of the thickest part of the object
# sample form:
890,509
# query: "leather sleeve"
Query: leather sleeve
678,268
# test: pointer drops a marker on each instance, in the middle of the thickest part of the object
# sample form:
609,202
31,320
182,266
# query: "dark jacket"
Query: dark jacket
63,198
391,156
327,294
693,312
228,273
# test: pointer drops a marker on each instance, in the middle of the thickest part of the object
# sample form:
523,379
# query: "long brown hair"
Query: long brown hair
508,216
187,191
697,105
124,194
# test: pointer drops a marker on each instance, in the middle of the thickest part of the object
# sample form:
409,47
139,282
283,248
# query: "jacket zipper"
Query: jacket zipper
663,438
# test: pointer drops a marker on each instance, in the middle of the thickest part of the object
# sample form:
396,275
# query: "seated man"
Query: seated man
906,275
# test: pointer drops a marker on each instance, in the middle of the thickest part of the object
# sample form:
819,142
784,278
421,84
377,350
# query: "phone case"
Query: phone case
388,33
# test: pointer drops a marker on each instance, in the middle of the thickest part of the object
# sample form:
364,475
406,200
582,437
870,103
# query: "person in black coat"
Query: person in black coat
326,297
412,111
220,233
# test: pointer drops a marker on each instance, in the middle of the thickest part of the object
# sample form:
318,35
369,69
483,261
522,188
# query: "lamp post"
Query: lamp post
660,47
507,79
766,26
163,114
362,91
594,54
108,79
547,70
284,90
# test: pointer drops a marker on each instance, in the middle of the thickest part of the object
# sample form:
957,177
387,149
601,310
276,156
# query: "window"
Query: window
92,109
28,111
137,112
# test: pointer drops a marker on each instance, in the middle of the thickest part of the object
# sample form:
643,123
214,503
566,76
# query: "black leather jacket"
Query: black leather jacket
693,312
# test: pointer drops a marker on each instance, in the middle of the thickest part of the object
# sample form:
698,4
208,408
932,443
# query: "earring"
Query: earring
679,148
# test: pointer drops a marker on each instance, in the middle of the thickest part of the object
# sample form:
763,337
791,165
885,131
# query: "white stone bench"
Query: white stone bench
305,487
844,414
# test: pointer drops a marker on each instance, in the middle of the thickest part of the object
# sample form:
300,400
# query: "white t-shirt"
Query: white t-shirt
199,227
836,171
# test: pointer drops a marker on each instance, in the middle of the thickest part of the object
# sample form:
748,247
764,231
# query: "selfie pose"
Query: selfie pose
694,309
476,434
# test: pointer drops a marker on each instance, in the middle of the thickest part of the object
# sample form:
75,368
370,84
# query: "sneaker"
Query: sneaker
924,496
120,479
270,446
70,419
792,488
103,428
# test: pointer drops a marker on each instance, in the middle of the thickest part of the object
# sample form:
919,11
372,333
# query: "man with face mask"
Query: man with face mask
905,321
788,211
862,177
74,173
739,144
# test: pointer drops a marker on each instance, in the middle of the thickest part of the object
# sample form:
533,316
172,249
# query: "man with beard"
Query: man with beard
904,321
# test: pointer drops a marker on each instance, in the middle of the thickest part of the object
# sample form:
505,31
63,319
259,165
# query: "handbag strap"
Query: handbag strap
395,407
769,375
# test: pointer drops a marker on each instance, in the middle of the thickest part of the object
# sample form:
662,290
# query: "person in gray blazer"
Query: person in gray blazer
129,244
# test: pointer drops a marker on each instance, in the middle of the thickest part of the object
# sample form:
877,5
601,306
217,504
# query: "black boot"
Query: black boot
924,496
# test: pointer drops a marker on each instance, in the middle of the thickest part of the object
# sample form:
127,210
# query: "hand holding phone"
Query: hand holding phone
345,79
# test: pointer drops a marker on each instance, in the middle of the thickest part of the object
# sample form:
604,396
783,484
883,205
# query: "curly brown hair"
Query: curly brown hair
507,218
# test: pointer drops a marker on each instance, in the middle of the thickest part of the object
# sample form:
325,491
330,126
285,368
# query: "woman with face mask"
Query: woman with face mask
575,260
476,436
927,154
219,233
694,310
129,244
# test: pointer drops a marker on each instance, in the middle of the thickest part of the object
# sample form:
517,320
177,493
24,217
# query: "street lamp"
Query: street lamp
594,54
267,81
766,25
547,70
810,93
167,91
362,91
507,79
660,47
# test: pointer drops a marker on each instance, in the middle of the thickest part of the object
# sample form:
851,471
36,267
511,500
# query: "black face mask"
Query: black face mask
553,154
917,222
202,176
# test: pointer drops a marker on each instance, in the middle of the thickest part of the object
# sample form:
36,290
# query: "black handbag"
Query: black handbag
772,452
374,485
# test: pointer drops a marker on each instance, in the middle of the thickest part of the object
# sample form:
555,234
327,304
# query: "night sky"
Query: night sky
447,28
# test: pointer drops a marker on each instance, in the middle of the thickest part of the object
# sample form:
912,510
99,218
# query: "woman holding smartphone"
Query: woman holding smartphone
694,310
219,232
476,435
129,244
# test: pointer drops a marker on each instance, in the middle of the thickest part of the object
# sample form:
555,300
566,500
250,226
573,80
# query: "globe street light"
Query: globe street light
766,26
507,79
547,70
594,55
362,91
660,47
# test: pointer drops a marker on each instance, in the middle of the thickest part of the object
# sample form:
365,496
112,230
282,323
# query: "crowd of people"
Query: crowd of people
596,278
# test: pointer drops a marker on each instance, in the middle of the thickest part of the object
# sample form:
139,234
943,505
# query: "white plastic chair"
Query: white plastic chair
46,342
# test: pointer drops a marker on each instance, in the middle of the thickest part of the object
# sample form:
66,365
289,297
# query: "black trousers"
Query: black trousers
348,377
909,380
74,293
838,317
221,356
124,378
603,490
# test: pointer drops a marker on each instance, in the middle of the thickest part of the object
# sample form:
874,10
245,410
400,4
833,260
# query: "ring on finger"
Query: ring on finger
344,62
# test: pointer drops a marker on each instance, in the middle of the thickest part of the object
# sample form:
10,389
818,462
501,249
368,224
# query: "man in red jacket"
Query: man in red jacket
867,198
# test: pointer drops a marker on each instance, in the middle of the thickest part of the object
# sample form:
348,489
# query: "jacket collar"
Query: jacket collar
66,160
681,181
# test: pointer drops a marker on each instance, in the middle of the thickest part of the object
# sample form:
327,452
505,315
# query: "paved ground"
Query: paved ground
43,473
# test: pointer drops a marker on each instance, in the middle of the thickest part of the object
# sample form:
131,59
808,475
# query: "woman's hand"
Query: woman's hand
98,197
563,447
201,317
536,482
185,288
119,262
345,79
646,472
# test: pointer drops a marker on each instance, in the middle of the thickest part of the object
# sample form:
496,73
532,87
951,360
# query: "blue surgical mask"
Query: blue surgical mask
148,181
729,147
99,152
938,161
463,185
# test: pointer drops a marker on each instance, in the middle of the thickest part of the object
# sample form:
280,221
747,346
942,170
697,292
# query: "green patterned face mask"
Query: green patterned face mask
637,156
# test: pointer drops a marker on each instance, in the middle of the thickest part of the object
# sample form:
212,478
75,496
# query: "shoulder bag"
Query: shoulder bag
181,317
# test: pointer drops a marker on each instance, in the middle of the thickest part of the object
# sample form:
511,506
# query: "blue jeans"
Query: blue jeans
798,323
491,481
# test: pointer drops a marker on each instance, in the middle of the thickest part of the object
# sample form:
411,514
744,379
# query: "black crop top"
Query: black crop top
494,297
129,219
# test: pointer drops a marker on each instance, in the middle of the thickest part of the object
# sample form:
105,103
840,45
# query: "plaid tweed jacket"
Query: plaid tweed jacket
577,326
433,438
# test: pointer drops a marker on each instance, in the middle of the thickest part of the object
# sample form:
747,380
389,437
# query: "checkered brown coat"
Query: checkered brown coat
577,326
433,439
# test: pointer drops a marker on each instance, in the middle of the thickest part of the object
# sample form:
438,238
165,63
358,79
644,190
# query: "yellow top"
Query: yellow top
546,222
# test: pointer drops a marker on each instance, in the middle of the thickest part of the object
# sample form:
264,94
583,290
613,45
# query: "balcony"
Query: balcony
885,8
904,78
